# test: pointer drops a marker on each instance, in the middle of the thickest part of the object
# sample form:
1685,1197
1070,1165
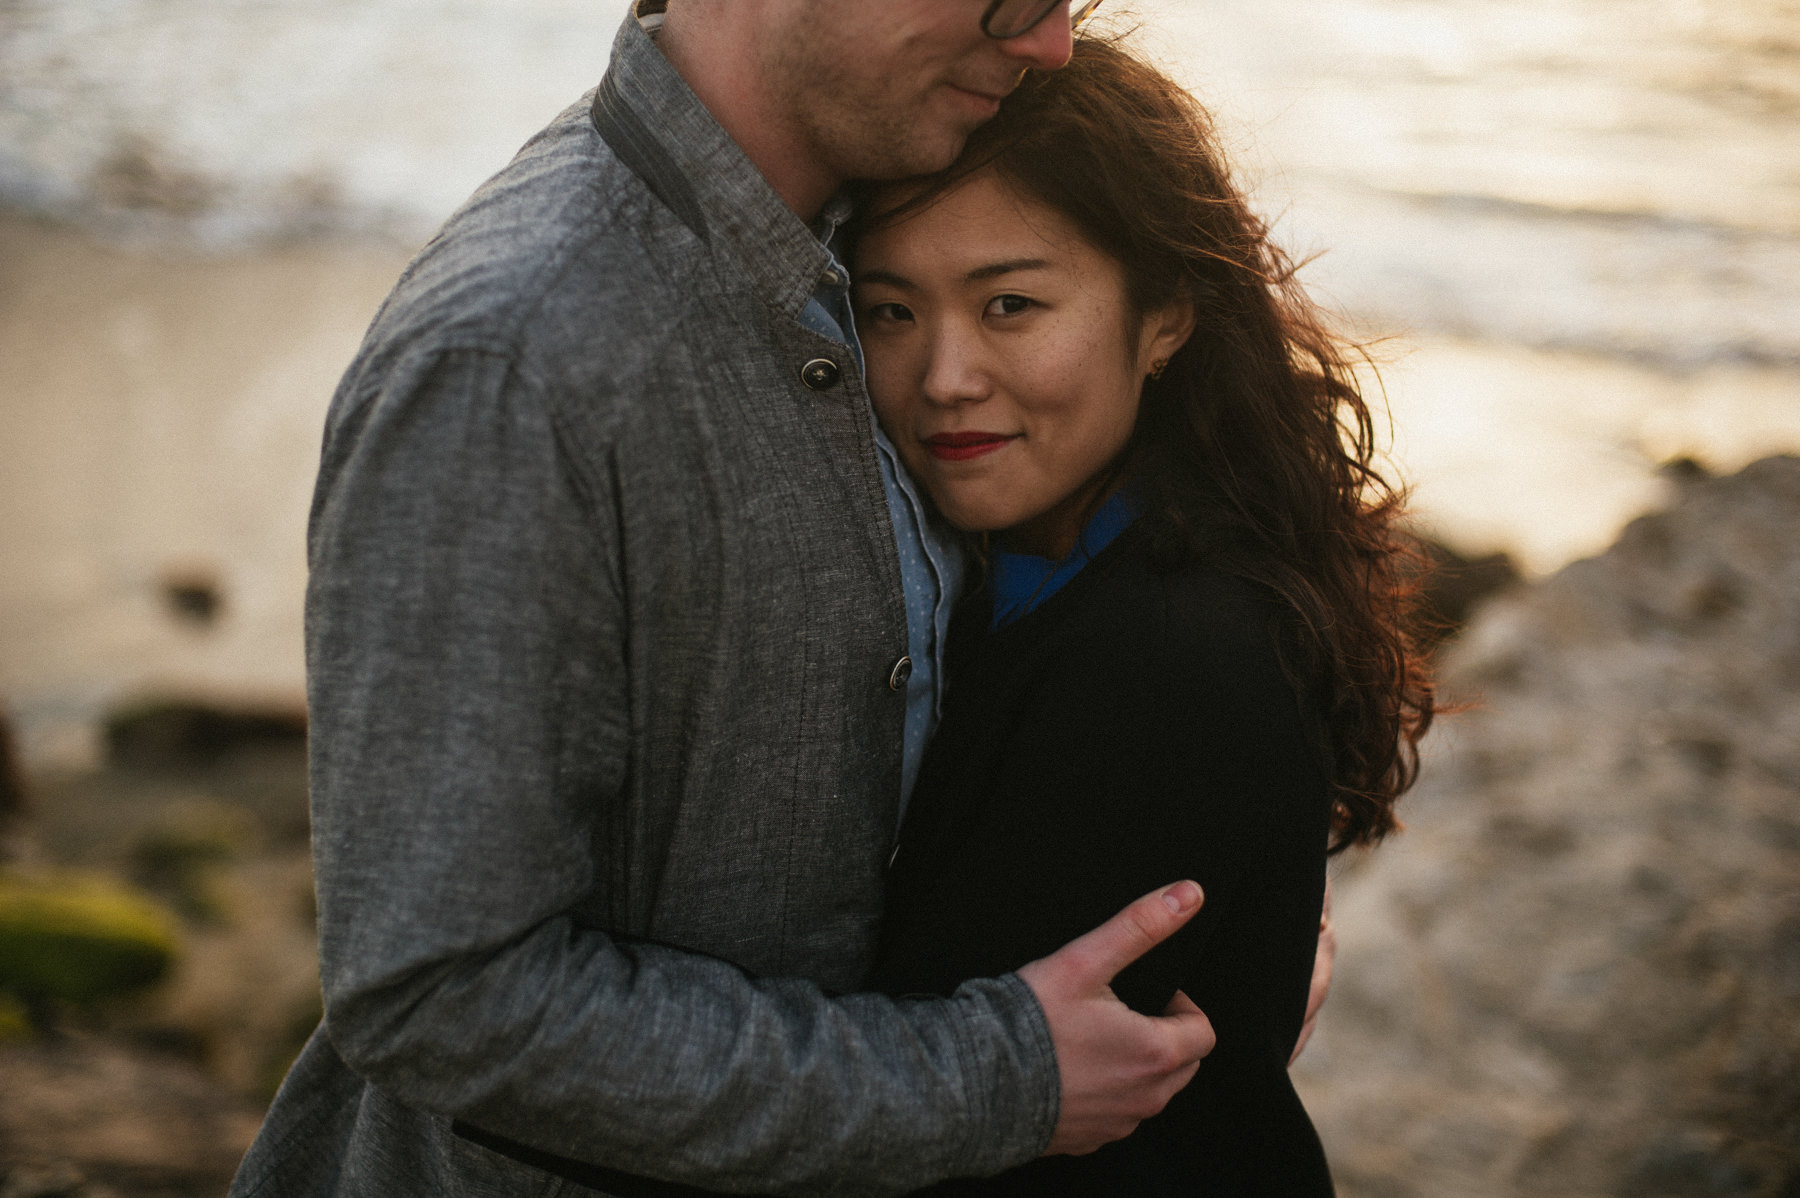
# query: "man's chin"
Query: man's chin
917,156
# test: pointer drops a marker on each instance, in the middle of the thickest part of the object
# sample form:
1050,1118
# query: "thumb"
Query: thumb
1099,956
1181,1004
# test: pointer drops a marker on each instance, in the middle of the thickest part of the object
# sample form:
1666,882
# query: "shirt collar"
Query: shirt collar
656,125
837,210
1021,582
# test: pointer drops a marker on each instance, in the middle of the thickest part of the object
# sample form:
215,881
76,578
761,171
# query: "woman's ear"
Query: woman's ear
1165,330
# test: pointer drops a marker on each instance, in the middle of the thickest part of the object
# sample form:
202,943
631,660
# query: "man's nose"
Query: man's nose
1046,45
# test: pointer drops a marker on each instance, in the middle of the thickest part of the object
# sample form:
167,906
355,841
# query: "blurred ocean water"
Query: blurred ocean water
1576,224
228,122
1618,177
1571,227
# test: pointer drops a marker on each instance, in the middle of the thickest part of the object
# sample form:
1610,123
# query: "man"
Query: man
621,649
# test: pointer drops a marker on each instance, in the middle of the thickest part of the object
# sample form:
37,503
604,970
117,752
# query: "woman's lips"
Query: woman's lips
960,447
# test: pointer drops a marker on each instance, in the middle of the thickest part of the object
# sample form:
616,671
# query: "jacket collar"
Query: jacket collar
659,129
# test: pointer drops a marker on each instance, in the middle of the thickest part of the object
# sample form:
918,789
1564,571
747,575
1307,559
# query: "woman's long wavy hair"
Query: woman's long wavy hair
1255,444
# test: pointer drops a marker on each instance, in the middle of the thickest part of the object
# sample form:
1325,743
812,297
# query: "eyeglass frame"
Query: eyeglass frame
1077,17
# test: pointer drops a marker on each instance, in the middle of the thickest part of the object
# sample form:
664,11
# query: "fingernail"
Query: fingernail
1181,897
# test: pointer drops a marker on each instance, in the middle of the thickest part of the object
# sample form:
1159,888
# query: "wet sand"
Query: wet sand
162,416
163,412
1574,229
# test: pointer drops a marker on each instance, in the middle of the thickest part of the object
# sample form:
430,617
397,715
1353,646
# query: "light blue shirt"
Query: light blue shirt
931,561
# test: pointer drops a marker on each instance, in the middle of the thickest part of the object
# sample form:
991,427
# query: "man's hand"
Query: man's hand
1321,976
1118,1068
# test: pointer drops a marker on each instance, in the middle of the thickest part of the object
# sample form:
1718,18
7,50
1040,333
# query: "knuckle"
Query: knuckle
1139,926
1167,1058
1148,1107
1086,957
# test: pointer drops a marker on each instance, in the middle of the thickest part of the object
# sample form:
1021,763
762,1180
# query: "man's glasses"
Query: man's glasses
1012,18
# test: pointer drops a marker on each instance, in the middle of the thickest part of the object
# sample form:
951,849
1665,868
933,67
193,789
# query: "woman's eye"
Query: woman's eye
890,311
1008,305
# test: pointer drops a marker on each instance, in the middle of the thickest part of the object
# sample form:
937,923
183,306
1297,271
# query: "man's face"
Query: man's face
883,89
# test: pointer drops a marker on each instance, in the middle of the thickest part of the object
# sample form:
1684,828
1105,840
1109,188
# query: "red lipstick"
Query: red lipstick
960,447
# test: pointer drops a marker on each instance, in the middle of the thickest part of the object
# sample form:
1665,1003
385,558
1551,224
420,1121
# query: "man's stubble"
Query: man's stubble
861,117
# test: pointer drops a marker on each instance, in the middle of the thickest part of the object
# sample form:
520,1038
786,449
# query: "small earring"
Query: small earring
1157,367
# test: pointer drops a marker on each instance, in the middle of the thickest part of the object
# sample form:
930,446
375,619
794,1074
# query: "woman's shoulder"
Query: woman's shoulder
1193,633
1187,604
1138,625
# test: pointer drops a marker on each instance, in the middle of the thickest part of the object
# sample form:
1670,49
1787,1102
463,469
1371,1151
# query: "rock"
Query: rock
1578,972
1456,585
77,939
15,1019
84,1118
225,849
193,594
245,994
189,734
56,1179
12,790
180,855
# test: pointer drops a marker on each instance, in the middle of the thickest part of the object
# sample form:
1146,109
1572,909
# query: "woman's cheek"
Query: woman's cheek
883,399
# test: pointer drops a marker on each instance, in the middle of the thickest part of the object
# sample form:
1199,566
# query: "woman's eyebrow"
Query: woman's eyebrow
995,269
992,270
885,276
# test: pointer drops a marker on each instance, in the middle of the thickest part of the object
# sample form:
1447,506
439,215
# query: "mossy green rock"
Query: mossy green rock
78,939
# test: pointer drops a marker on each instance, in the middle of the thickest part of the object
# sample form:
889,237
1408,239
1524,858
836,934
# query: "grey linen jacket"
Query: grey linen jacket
603,606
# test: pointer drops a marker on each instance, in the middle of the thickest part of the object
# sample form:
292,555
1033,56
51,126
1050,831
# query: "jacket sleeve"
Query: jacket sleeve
470,735
1224,781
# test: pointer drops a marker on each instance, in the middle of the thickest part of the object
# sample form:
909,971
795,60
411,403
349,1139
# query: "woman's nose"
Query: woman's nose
954,370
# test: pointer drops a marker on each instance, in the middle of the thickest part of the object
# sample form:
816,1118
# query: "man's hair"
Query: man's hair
1255,449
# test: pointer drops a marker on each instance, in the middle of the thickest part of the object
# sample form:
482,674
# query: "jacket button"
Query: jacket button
902,671
821,374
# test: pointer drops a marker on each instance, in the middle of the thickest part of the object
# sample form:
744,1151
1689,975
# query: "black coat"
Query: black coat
1134,730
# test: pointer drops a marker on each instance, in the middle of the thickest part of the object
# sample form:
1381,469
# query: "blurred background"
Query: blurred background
1570,230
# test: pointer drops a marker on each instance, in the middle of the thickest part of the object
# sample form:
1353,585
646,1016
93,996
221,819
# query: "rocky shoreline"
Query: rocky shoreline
1575,973
1578,971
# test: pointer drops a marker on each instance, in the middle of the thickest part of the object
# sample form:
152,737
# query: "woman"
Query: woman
1190,654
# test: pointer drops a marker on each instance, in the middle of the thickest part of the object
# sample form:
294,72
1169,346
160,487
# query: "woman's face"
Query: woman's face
1004,359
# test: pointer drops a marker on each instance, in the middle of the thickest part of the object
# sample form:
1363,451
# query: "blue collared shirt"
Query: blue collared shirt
931,562
1022,581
